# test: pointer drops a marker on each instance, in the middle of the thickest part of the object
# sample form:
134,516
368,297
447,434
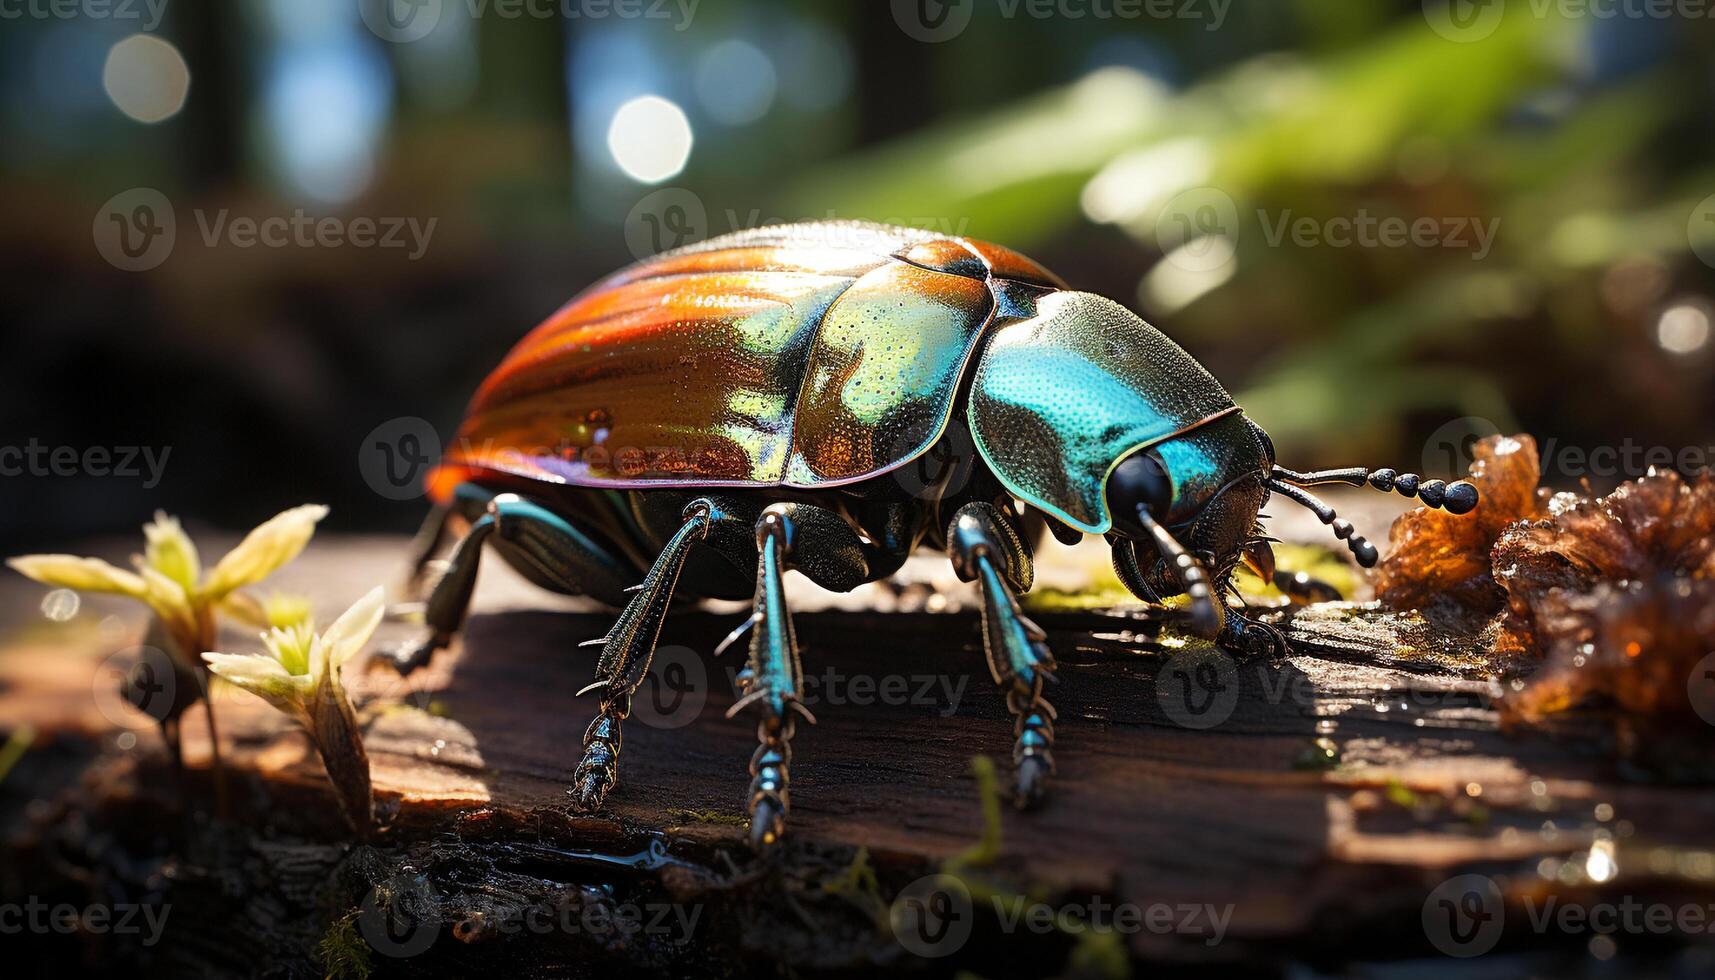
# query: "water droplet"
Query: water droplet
60,605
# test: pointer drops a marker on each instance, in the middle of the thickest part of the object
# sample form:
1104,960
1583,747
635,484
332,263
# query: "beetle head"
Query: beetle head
1202,491
1097,419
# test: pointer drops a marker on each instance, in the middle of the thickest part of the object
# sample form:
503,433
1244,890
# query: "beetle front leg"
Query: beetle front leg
984,546
626,652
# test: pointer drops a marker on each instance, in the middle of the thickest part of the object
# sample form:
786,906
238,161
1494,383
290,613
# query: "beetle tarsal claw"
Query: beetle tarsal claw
1030,781
767,823
746,701
738,631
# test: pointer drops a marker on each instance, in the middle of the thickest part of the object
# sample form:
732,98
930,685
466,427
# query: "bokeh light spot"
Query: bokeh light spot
1683,329
146,78
650,139
736,82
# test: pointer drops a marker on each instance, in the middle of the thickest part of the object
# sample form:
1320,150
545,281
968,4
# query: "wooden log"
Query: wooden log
1191,788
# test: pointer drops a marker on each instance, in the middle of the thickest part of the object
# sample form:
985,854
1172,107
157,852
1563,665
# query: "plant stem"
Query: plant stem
333,725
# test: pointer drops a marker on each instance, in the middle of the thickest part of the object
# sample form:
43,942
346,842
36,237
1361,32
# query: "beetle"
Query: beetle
714,416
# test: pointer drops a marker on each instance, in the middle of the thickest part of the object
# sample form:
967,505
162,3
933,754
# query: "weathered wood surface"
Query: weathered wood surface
1315,864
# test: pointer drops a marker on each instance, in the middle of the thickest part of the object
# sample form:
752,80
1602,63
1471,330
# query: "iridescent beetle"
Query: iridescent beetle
714,416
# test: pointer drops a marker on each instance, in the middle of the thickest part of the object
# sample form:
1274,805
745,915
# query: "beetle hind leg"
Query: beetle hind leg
984,546
541,544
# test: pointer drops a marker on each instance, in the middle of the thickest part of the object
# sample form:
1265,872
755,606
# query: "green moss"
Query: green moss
987,848
1401,795
859,884
1099,953
345,956
1321,755
708,816
22,738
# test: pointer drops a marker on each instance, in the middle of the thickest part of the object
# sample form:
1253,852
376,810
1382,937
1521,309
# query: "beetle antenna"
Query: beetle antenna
1454,498
1362,550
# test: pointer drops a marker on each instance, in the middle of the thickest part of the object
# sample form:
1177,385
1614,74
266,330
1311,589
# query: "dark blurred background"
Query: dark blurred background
217,239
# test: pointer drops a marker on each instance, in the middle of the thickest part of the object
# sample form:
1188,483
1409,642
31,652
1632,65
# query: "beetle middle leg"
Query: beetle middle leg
821,545
984,545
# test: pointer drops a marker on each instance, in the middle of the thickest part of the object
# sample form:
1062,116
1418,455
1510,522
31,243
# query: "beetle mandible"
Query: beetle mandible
714,416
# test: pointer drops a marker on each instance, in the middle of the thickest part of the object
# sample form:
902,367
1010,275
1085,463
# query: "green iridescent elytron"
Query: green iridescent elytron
827,398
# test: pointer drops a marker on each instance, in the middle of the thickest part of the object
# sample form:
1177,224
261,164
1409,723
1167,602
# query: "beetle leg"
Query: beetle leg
1249,637
1303,589
773,677
445,607
425,543
822,546
984,546
626,652
535,540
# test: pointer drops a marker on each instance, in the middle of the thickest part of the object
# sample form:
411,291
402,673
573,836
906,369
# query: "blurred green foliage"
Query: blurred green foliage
1515,131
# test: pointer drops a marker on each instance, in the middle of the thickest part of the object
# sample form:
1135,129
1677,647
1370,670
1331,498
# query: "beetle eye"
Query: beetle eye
1139,479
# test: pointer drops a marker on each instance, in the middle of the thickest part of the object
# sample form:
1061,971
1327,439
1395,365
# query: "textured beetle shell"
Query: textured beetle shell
808,355
1061,397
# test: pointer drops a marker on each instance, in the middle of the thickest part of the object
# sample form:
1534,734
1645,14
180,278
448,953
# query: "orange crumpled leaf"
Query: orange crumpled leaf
1438,561
1616,593
1636,645
1661,525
